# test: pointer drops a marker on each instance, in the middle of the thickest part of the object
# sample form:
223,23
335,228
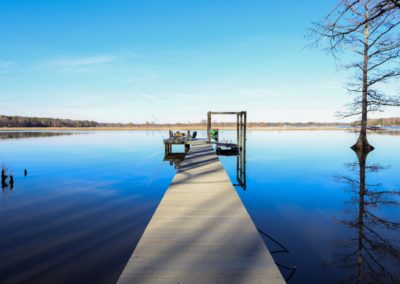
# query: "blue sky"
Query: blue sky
166,60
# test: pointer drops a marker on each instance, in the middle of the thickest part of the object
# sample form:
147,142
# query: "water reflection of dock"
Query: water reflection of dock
201,231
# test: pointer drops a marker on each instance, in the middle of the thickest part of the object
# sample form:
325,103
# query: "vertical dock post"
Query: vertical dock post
238,144
208,126
244,149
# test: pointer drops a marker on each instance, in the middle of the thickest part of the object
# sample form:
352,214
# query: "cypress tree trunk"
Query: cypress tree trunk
362,143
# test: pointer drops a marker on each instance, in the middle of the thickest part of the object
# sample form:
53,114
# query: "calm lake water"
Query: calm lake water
88,196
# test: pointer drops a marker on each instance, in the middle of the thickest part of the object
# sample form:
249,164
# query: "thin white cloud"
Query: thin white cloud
82,61
84,64
150,97
7,64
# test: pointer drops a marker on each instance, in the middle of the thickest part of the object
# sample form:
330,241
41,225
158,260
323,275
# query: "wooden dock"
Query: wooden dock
201,232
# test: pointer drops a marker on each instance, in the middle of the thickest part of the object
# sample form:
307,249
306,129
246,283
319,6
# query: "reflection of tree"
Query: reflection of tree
31,134
375,257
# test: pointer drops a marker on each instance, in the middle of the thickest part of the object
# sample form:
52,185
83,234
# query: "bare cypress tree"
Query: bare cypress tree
368,29
379,9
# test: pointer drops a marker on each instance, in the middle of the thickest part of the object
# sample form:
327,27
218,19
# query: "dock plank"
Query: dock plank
201,232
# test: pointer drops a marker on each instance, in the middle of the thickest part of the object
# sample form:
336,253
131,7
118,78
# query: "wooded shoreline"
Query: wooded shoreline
291,128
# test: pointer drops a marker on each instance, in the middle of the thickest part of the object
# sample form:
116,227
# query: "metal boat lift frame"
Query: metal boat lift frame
241,122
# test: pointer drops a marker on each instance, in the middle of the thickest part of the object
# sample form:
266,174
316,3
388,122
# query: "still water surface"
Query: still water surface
79,213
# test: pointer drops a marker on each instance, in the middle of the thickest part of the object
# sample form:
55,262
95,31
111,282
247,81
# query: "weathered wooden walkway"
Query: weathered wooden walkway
201,232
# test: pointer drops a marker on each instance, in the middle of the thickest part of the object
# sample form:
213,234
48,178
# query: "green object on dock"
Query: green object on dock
214,134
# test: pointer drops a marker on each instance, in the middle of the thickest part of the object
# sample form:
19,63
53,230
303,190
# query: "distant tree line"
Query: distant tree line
21,121
393,121
280,124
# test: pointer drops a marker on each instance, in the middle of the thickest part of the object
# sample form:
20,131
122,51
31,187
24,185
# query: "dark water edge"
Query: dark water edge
81,210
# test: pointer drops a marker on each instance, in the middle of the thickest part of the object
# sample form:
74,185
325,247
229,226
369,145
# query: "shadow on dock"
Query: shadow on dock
201,232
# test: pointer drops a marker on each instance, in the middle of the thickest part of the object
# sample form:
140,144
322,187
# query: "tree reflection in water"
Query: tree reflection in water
4,135
373,252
